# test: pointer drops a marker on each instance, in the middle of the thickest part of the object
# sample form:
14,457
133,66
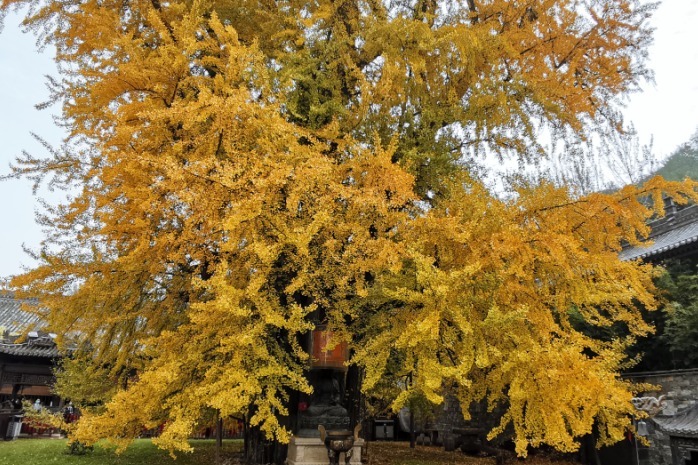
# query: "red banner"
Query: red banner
327,351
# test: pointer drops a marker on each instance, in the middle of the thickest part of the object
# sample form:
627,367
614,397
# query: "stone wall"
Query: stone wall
448,417
680,388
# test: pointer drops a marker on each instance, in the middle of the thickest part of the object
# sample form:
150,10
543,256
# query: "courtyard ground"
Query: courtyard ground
143,452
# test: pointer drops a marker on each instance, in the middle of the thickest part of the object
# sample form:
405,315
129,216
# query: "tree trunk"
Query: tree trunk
258,449
412,435
219,437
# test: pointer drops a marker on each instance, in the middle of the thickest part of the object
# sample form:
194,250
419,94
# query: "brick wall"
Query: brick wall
680,388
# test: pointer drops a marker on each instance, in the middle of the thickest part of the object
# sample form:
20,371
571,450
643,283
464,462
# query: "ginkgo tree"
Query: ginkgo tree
239,165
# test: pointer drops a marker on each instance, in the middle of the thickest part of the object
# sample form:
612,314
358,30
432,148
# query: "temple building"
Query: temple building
672,425
27,357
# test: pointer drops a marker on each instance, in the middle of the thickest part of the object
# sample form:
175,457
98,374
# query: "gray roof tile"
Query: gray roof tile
29,349
670,240
684,423
15,320
669,234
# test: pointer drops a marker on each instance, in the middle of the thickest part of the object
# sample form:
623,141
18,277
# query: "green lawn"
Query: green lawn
141,452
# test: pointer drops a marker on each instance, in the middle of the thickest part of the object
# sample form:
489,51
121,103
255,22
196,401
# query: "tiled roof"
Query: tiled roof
30,349
684,423
13,319
669,234
15,322
670,240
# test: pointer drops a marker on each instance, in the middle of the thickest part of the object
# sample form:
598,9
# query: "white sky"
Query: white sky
668,111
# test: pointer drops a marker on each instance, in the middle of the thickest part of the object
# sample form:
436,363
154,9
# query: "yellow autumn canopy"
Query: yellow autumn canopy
241,164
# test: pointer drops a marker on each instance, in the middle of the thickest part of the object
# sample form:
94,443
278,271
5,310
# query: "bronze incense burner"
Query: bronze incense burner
338,441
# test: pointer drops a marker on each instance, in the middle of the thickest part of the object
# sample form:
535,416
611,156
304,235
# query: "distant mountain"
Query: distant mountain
682,163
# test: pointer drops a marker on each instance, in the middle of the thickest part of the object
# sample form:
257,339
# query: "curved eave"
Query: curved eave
673,240
684,423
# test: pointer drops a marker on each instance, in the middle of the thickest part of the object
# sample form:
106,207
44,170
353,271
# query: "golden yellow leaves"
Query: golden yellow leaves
561,402
485,298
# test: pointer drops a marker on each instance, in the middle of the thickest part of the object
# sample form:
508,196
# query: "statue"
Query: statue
324,407
325,401
651,405
326,373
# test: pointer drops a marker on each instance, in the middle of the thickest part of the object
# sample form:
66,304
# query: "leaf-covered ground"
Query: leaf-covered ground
399,453
142,452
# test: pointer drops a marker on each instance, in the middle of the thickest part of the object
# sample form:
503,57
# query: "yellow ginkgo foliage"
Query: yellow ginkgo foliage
239,165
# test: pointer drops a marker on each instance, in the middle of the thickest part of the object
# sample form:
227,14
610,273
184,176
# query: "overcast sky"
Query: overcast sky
667,110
